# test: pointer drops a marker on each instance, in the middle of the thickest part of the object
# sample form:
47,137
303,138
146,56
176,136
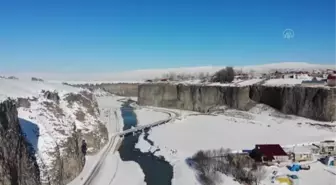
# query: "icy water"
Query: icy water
157,171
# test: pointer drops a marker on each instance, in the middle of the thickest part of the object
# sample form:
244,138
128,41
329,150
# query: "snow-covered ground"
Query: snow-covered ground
236,130
148,116
28,88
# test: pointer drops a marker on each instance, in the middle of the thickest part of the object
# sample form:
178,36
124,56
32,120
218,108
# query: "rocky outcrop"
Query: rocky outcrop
23,102
51,96
68,158
65,120
18,164
311,102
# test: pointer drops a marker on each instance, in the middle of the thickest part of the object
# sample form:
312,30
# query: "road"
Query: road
102,168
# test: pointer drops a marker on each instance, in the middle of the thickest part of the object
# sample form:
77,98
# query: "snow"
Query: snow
148,116
287,81
236,130
250,82
27,88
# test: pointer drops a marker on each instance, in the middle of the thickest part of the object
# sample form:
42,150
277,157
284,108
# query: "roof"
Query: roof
271,150
331,77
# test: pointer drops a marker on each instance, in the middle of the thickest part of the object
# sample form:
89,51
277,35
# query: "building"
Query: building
302,153
331,80
328,147
269,153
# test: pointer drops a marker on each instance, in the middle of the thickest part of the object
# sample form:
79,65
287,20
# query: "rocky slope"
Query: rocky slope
61,124
55,119
18,164
310,102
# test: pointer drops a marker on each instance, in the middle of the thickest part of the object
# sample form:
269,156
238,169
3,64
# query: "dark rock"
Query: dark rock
51,96
18,164
23,102
310,102
37,79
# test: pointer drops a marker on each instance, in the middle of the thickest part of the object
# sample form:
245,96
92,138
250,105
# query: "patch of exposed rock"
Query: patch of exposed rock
51,96
18,164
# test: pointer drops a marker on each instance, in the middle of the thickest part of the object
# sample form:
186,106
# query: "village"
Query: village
305,78
288,161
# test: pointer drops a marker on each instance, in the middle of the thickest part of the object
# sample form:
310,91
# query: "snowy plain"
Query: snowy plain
27,88
141,75
236,130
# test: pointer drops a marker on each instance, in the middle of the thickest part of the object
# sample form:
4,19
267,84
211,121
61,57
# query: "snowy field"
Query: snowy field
141,75
236,130
148,116
28,88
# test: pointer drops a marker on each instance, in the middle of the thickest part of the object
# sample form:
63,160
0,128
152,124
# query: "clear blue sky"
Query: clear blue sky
73,35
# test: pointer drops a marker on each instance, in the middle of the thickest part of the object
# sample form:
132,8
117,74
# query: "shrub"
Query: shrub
224,75
210,163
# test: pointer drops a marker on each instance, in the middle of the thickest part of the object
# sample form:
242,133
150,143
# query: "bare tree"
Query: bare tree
224,75
258,174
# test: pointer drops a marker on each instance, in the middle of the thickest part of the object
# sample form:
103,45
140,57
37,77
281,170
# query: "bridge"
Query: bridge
142,127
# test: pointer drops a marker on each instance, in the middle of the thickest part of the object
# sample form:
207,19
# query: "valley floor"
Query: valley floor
237,130
191,132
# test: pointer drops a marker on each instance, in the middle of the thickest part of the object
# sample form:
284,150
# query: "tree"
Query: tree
258,174
224,75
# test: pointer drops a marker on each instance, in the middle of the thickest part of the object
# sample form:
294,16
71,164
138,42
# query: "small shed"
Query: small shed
302,153
269,153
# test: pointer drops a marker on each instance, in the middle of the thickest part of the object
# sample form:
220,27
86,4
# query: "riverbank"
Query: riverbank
155,169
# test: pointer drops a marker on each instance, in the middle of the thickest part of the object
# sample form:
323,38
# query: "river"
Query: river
157,171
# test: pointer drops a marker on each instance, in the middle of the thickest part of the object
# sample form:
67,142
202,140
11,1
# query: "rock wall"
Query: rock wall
70,118
311,102
18,164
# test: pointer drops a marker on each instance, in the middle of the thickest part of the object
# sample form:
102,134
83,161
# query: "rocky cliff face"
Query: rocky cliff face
18,164
61,122
193,97
314,103
311,102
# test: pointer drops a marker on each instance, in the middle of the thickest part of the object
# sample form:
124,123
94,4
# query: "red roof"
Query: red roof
271,150
331,77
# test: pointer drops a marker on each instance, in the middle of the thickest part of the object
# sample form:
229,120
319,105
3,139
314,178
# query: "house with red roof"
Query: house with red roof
331,80
269,153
